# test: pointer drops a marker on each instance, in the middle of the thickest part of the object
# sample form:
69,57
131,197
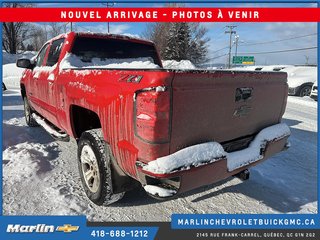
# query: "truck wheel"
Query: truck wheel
94,159
31,122
305,91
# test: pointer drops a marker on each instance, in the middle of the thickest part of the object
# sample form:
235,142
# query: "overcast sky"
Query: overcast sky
252,36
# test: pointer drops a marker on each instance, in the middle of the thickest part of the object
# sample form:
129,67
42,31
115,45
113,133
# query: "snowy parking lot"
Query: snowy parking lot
40,176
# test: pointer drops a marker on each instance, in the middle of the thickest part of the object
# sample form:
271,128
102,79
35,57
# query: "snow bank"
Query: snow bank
212,68
11,75
183,64
187,157
23,158
12,58
161,192
71,61
262,67
275,67
212,151
252,154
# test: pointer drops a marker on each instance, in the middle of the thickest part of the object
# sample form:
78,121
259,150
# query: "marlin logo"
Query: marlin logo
67,228
39,228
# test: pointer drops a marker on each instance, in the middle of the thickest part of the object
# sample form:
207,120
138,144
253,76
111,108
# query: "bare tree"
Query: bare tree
159,34
56,29
14,33
39,37
17,35
40,33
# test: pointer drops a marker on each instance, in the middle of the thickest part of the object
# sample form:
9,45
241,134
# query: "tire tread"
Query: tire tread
107,195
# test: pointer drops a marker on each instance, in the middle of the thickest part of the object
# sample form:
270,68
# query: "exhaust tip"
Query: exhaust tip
244,175
287,146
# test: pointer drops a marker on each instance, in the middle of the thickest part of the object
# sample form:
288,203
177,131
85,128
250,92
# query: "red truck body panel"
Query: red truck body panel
203,106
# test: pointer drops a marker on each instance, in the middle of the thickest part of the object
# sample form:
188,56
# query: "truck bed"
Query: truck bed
214,105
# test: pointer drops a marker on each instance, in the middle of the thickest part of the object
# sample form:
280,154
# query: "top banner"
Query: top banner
160,14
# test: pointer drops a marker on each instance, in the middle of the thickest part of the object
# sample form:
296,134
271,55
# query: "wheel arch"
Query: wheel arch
90,120
83,119
304,85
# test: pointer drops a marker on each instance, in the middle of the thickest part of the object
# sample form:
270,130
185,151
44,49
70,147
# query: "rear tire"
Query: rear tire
305,91
94,161
31,122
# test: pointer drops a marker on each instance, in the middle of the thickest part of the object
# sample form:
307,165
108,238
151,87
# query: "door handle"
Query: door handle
244,93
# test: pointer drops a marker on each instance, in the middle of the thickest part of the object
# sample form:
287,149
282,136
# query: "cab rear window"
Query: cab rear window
87,49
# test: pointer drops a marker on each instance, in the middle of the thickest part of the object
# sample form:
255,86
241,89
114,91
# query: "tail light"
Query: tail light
152,115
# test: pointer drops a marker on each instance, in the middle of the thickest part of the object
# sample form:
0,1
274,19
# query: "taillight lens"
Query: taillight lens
153,115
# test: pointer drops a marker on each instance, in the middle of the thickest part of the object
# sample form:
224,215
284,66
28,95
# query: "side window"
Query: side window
54,52
41,55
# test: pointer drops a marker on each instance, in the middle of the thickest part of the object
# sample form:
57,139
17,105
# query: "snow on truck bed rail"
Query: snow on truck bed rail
183,64
205,153
71,61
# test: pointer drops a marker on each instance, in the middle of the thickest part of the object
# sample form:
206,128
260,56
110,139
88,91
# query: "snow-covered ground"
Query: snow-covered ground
40,176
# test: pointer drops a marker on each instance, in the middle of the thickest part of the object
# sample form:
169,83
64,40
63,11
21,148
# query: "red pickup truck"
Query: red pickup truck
136,122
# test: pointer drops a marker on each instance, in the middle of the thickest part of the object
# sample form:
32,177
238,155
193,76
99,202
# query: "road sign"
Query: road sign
243,60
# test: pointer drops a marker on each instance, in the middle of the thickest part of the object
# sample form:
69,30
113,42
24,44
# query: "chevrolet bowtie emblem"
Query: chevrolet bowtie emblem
67,228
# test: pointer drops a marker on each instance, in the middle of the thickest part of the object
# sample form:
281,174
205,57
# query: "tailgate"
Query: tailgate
223,106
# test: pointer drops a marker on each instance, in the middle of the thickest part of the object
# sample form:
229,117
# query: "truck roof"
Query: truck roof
104,35
114,36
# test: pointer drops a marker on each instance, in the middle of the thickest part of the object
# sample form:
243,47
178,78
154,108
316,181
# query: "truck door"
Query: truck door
34,90
49,81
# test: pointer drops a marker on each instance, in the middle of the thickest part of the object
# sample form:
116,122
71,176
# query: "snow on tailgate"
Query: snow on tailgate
252,154
212,151
190,156
71,61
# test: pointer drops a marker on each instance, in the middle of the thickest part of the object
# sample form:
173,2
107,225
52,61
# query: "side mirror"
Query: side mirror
25,63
